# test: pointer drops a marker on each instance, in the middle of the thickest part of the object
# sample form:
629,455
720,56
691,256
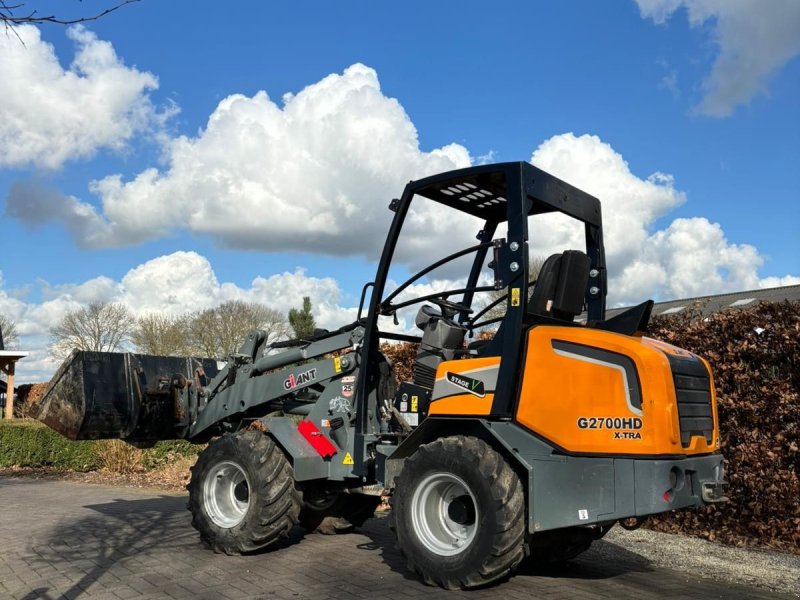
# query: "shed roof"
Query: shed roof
707,305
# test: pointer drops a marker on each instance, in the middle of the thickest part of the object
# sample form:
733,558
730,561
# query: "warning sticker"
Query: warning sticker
411,418
414,403
348,460
337,364
514,296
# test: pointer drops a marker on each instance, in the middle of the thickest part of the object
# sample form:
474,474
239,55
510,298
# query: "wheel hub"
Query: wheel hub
462,510
444,514
226,494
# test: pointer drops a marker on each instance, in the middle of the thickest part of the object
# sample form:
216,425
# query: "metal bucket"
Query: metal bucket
111,395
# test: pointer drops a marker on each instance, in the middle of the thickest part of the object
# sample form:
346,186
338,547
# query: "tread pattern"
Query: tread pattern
274,501
506,547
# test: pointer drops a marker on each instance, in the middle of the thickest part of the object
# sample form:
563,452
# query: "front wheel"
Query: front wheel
458,512
242,494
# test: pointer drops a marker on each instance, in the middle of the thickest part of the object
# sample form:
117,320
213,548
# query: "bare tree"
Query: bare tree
100,326
163,335
8,333
219,332
19,13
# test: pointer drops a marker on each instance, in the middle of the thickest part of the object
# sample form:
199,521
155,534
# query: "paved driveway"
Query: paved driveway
61,539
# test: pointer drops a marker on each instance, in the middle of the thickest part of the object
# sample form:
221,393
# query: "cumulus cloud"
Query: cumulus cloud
175,284
314,174
630,204
34,204
771,282
52,114
755,40
691,257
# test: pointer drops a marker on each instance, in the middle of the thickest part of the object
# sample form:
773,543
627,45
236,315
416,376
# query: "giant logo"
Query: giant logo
294,381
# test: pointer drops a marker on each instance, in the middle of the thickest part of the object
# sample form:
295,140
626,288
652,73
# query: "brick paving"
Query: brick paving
66,540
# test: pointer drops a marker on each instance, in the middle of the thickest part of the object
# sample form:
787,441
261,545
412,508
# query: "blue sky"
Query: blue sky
603,94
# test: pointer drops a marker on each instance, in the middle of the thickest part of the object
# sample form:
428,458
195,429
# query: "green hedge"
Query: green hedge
31,444
166,452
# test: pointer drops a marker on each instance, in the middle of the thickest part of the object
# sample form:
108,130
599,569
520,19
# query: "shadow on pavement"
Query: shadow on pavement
603,560
97,543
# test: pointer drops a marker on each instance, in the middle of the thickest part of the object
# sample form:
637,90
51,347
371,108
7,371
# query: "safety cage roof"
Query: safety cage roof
483,192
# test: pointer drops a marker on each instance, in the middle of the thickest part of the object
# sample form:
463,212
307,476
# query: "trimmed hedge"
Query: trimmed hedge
31,444
755,357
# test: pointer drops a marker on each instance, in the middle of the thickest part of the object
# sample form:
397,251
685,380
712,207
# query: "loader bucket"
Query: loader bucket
111,395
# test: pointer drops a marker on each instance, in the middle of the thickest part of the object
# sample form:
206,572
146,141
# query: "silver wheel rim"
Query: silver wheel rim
226,494
432,518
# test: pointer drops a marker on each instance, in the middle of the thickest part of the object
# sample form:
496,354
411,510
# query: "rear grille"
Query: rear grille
693,392
424,376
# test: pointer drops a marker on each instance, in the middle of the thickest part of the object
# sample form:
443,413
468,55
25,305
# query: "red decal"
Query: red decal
317,439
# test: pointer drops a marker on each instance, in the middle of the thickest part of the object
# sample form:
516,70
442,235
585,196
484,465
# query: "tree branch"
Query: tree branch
10,20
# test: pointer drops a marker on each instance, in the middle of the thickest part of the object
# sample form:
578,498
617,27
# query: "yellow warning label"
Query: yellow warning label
414,403
337,364
348,460
514,296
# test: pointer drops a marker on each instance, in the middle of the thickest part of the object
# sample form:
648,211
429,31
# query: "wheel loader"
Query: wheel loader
531,442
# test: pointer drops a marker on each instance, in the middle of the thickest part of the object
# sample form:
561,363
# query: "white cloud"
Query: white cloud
11,307
34,204
175,284
630,204
755,40
52,115
691,257
314,175
184,282
771,282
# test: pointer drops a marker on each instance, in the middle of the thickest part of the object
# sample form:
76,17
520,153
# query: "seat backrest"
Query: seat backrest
561,286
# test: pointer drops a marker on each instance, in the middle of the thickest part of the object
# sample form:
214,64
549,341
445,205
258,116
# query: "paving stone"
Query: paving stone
65,540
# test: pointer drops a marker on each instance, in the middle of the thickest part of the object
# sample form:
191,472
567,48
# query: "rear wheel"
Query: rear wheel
458,512
335,512
242,494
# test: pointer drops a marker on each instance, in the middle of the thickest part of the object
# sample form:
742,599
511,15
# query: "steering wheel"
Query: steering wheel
450,306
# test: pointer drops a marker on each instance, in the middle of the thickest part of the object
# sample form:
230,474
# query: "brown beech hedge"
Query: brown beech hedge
755,355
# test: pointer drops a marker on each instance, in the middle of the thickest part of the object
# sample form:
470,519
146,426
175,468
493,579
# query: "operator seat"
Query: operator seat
558,294
561,286
442,338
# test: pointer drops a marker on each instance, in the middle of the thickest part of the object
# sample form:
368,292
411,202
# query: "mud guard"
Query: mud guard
306,461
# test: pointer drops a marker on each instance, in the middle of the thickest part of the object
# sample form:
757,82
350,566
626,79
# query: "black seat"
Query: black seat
561,286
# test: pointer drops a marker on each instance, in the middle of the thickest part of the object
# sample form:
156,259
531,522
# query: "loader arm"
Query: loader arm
142,399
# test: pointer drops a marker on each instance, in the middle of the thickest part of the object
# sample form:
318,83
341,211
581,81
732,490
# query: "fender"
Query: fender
306,462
